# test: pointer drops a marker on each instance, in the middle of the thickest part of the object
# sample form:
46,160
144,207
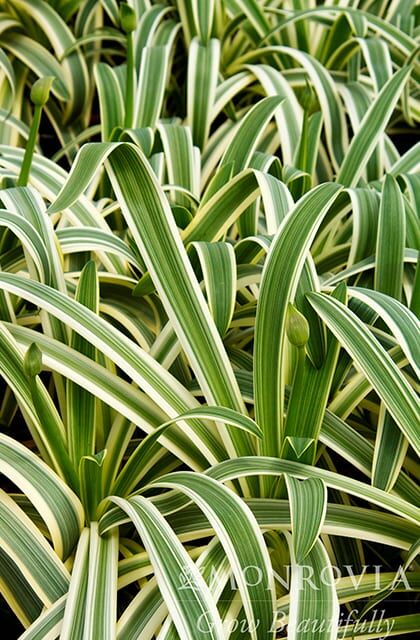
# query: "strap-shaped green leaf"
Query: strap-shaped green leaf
390,445
193,610
340,520
135,405
25,545
73,67
261,465
308,505
279,283
218,264
243,145
247,554
326,91
74,611
81,405
145,612
397,37
127,479
37,58
371,128
391,240
101,594
289,114
152,77
314,610
181,160
78,239
110,99
396,393
17,592
32,242
91,473
170,394
49,622
149,217
390,451
400,319
203,69
57,504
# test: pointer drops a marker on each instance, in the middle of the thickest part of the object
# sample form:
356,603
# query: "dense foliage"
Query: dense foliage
208,319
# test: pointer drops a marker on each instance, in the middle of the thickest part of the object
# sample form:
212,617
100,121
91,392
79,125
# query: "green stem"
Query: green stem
292,425
301,159
302,153
129,87
25,169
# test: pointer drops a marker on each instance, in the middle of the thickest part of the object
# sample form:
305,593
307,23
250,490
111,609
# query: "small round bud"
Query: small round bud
40,91
32,363
297,327
309,100
128,18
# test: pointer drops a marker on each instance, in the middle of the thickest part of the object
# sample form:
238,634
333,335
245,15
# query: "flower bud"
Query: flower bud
40,91
309,100
128,18
297,327
32,363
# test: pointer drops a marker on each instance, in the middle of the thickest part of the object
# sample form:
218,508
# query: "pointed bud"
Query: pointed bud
309,100
128,18
40,91
32,363
297,327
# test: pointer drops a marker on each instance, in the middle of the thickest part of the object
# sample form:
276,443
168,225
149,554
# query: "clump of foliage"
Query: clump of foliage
208,299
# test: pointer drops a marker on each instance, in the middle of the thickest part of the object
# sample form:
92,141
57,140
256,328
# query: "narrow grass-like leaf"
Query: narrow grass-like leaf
390,241
127,479
90,472
391,445
203,67
260,465
135,405
74,614
402,321
39,266
110,99
297,230
37,58
371,128
158,382
371,357
326,92
81,410
151,222
101,595
179,580
74,69
48,623
58,505
22,541
152,74
243,145
314,610
228,515
218,264
303,495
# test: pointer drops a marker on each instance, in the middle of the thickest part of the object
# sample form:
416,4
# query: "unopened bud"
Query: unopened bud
309,100
32,363
128,18
297,327
40,91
